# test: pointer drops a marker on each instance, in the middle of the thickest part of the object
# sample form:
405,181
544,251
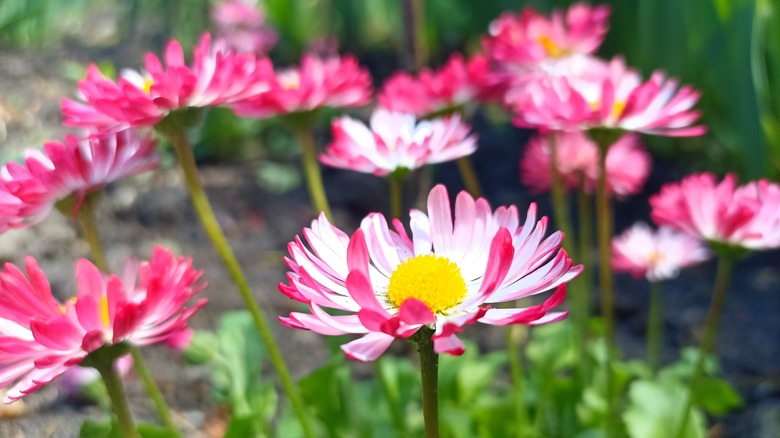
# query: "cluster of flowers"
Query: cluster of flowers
384,283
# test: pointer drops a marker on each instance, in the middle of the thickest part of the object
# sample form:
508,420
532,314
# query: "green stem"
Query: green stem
604,231
655,326
414,23
116,392
163,411
429,371
183,149
585,244
469,176
86,219
311,168
396,196
559,202
516,336
719,292
391,398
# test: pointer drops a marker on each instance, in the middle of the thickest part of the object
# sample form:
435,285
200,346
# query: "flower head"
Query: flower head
41,338
617,99
77,167
455,84
396,141
445,276
527,39
747,216
628,164
241,26
656,255
217,77
337,82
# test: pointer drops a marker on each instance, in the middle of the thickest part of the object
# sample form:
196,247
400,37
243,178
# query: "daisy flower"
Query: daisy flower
396,142
241,26
615,100
628,163
337,82
41,338
745,216
77,167
457,83
656,255
217,77
386,284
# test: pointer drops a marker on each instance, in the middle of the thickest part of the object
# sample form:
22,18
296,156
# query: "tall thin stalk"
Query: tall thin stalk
469,176
116,392
396,195
181,145
719,292
86,220
585,279
515,338
311,169
429,372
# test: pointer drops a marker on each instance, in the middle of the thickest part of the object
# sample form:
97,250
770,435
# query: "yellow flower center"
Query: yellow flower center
654,257
148,82
550,47
104,310
617,109
290,80
435,281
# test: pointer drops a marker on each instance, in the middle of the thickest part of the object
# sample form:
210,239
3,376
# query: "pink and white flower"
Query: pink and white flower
455,84
628,163
217,77
520,41
396,141
337,82
41,338
77,167
747,216
388,285
656,255
616,100
241,26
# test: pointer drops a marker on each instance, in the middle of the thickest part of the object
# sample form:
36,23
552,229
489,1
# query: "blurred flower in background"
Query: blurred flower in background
656,255
241,26
628,163
396,142
76,383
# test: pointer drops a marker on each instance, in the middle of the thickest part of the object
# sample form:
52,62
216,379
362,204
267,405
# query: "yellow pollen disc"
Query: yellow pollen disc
104,310
290,81
550,47
435,281
654,257
64,307
617,109
148,82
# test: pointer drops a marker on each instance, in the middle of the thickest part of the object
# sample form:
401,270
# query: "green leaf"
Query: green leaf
102,429
241,427
146,430
716,396
655,411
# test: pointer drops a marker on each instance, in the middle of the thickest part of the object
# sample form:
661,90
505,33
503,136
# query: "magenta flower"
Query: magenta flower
78,167
628,163
41,338
396,141
656,255
241,26
521,41
217,77
747,216
332,82
616,100
388,285
455,84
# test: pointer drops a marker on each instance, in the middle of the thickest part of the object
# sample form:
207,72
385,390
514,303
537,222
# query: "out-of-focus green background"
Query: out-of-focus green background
729,49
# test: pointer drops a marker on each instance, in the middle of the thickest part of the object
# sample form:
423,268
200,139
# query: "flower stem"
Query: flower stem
396,196
516,337
311,168
719,292
604,234
183,149
414,24
429,371
469,176
655,326
116,392
86,220
585,245
139,364
558,192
